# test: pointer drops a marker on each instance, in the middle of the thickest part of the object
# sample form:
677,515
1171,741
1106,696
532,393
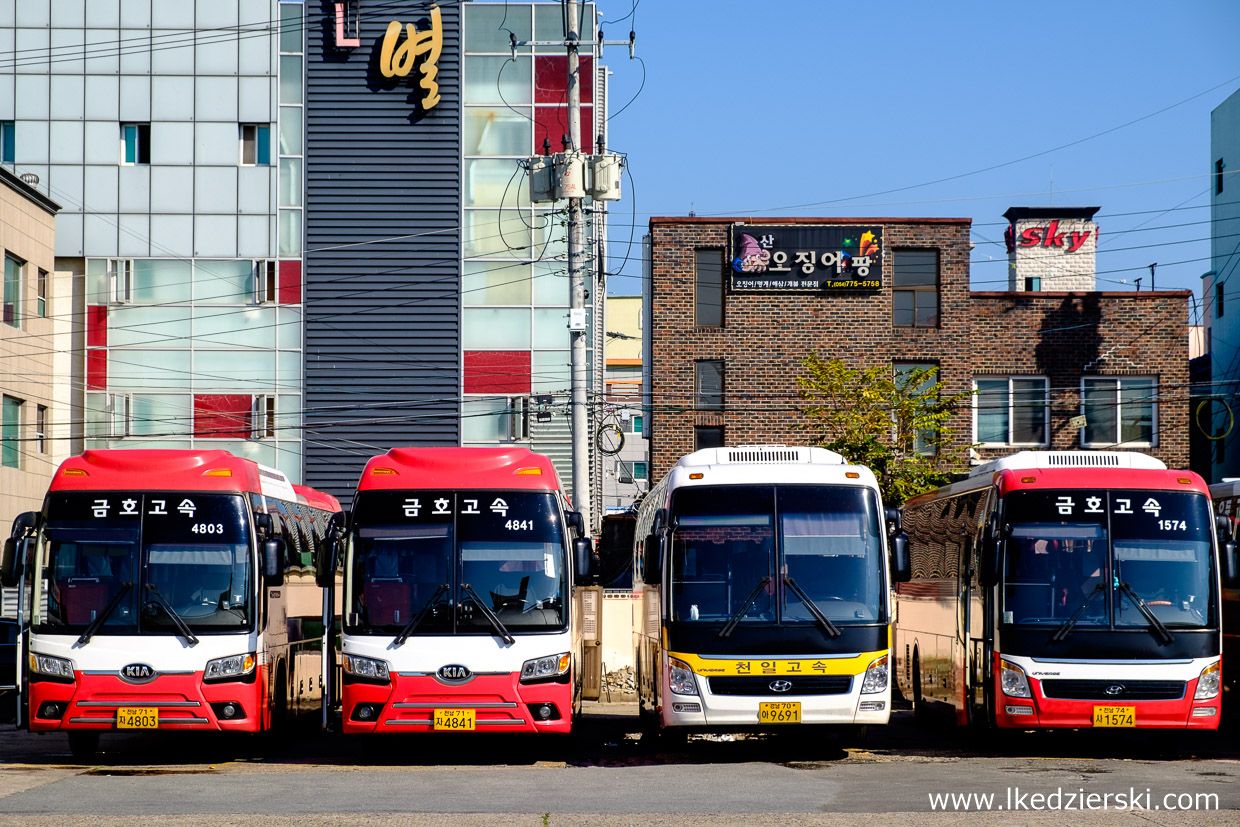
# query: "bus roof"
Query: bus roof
316,499
1070,459
162,469
509,467
768,464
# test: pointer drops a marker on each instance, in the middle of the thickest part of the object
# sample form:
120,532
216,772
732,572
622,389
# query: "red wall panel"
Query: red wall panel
497,371
222,416
290,282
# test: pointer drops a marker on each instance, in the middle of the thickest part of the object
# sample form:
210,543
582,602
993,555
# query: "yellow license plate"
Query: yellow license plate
783,712
455,720
1125,716
137,717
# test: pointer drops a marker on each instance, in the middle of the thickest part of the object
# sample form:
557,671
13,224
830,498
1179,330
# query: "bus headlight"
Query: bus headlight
231,668
367,669
1209,683
51,667
875,677
682,682
542,669
1013,681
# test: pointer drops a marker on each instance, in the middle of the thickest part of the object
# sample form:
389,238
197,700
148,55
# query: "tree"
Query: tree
893,422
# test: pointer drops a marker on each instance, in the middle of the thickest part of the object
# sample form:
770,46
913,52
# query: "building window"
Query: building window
915,288
639,471
924,441
1033,284
708,385
624,472
1219,166
135,143
1010,410
635,425
7,154
255,144
708,288
42,294
707,437
1218,300
40,429
13,290
10,433
1119,411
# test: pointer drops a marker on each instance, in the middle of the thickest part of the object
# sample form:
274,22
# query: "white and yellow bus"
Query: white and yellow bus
765,588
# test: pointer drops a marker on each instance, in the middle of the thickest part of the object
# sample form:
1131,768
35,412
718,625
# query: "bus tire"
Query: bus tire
279,701
83,745
854,735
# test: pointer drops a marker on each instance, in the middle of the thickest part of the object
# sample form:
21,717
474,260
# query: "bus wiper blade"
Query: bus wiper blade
825,622
103,616
1164,634
417,619
1062,631
177,620
736,618
499,627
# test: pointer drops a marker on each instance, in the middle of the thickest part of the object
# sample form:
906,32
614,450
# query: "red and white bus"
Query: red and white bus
458,602
1065,590
167,590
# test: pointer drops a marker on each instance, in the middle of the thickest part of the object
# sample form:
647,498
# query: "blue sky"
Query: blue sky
821,108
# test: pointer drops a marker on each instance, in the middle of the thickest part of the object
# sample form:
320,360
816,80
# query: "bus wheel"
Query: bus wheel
279,702
83,745
854,735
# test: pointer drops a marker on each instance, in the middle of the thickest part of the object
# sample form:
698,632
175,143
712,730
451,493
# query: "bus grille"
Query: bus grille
764,455
801,685
1114,690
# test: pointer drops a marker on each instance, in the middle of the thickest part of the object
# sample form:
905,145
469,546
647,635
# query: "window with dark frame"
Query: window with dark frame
13,267
1011,410
708,288
7,153
708,385
707,436
925,440
1219,166
10,432
915,288
1218,300
40,429
255,144
41,284
135,143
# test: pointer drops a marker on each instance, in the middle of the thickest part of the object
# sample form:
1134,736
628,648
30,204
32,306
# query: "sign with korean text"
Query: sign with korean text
806,257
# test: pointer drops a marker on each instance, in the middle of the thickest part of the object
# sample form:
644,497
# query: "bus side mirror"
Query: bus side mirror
10,572
652,573
1231,565
583,561
901,566
575,522
895,521
989,575
325,562
273,562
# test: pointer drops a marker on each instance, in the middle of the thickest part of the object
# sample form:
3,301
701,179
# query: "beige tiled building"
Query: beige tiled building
36,390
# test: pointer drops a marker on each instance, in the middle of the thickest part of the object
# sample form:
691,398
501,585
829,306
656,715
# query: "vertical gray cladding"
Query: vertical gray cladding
382,246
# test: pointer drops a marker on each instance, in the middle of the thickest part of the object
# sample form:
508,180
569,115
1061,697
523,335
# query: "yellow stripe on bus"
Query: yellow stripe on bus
777,666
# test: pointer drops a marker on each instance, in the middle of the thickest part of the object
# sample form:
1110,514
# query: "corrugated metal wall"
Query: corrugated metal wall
382,317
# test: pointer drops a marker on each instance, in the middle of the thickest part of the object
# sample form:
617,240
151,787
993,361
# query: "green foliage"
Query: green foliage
897,425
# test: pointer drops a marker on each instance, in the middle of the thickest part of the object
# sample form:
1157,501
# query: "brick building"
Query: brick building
735,304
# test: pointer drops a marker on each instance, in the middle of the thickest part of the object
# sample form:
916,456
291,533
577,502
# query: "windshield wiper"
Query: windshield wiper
1062,631
499,627
825,622
176,618
420,616
1163,633
736,618
103,616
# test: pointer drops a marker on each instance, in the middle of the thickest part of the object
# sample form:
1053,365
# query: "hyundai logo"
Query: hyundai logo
1115,689
138,673
780,686
454,673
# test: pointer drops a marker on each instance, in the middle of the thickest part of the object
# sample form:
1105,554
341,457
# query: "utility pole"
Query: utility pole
577,271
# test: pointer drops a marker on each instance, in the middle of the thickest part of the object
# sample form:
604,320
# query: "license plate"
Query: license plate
783,712
454,720
137,717
1125,716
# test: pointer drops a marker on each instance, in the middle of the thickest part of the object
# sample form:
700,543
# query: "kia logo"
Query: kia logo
454,673
1115,689
780,686
138,673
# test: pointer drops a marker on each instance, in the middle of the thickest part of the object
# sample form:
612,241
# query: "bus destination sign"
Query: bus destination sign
806,257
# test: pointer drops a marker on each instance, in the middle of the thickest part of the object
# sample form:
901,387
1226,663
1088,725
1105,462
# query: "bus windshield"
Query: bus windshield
756,553
190,549
1112,556
442,553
